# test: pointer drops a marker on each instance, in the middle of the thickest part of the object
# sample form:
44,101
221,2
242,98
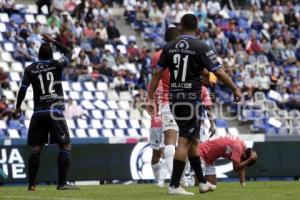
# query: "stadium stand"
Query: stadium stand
259,48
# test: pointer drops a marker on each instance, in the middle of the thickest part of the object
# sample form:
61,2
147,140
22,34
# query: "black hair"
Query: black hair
171,34
189,22
45,52
248,152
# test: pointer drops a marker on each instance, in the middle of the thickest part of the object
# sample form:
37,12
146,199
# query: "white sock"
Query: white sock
169,156
163,172
156,168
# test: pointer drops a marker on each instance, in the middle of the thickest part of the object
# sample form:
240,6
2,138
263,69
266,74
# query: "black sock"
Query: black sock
63,162
178,167
33,166
196,165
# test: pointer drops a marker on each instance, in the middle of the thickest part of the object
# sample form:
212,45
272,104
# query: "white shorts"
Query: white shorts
156,138
208,169
168,121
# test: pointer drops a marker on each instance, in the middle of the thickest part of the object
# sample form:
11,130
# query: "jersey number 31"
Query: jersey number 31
177,62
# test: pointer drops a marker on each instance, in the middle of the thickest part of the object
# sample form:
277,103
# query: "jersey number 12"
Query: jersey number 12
177,63
50,78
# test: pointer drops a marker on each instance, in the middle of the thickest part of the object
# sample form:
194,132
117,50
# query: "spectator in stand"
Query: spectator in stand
89,31
97,41
78,30
5,110
155,15
82,66
278,16
109,58
4,81
65,37
133,52
32,51
112,32
264,81
21,53
120,58
251,82
102,30
105,70
119,83
95,58
73,111
52,30
54,18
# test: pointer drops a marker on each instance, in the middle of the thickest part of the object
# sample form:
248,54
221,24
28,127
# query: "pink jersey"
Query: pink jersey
156,121
230,147
165,78
205,98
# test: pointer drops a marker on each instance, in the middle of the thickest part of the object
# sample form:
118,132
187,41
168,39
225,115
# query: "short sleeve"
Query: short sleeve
209,58
236,153
63,62
26,81
163,60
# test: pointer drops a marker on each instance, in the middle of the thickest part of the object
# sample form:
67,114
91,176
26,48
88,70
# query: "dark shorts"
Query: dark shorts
48,127
187,116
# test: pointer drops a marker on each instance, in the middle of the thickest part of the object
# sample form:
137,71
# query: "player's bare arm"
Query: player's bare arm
242,177
62,48
242,165
224,78
153,85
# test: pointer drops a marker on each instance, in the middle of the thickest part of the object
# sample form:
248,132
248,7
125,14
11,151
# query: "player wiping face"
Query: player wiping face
47,119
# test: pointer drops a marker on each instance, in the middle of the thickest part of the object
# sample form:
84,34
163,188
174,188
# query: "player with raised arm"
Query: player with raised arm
45,76
186,58
230,147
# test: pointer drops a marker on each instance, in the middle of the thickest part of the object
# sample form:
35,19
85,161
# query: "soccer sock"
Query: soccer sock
169,156
186,168
178,167
63,162
156,168
33,166
163,172
196,165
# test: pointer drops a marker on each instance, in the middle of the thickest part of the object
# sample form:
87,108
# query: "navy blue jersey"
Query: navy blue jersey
45,78
186,58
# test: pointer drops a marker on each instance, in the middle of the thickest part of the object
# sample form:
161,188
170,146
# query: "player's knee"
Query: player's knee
156,155
37,149
65,146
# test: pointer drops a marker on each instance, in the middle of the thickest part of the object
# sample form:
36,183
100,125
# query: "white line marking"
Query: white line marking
39,197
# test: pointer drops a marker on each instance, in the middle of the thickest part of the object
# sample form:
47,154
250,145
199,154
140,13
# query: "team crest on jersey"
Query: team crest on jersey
182,44
40,66
228,150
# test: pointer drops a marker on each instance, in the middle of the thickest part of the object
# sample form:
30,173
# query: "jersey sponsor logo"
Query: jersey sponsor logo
49,96
182,44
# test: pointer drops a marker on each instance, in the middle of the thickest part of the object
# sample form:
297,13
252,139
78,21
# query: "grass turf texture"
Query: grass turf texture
226,191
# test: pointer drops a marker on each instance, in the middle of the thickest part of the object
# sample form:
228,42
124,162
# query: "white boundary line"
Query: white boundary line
39,197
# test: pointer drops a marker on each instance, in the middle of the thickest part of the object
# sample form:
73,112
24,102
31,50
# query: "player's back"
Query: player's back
186,58
228,146
45,78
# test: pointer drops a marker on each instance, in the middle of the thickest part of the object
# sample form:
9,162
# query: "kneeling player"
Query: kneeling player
230,147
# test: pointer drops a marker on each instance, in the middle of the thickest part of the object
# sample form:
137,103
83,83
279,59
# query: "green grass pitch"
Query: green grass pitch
226,191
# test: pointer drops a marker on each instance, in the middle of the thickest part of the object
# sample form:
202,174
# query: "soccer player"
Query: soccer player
45,78
186,58
169,126
157,140
230,147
